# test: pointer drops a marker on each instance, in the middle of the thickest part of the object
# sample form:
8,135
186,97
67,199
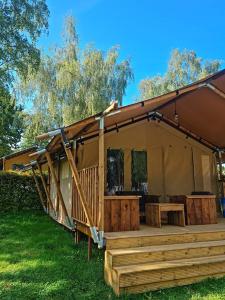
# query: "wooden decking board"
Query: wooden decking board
131,256
167,229
142,241
167,284
152,274
170,247
168,264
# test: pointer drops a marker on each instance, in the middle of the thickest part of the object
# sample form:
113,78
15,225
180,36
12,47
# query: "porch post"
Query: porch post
101,173
221,173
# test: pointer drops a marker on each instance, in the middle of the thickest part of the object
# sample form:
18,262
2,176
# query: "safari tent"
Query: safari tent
144,181
16,160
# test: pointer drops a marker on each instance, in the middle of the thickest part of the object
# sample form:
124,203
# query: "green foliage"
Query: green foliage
139,169
38,260
18,192
72,84
21,23
184,67
11,123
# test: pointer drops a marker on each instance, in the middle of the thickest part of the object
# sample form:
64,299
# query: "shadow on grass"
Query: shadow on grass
38,260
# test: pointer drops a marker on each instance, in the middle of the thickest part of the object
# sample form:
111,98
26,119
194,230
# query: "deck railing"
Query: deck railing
89,182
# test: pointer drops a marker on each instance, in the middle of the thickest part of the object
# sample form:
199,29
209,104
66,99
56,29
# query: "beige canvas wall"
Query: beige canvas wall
66,184
174,162
65,179
53,191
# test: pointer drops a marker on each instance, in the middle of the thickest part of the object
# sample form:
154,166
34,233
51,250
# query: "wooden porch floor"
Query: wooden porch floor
146,230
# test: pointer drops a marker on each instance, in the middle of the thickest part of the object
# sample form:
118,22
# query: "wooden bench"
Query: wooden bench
175,213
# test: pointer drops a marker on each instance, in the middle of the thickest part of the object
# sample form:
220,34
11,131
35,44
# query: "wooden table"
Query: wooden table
121,213
175,213
199,209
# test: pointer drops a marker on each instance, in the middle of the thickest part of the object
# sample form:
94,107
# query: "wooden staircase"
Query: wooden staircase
136,264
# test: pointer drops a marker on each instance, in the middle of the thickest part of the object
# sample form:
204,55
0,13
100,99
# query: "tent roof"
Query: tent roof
18,153
197,109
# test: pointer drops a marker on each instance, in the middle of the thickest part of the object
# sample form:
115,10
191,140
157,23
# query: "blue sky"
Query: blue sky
145,30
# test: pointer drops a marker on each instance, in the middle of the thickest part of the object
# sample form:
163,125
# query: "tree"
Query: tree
184,67
21,23
72,84
11,123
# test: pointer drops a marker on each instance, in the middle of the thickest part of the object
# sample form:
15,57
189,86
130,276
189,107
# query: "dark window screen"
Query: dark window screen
139,170
115,170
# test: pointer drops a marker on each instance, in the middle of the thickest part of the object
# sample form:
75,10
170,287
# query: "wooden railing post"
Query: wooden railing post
59,193
101,175
220,173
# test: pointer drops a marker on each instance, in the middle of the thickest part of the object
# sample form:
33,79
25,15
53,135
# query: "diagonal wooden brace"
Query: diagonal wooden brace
39,190
45,188
77,182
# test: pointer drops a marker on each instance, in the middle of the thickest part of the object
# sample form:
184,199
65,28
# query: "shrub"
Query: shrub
18,192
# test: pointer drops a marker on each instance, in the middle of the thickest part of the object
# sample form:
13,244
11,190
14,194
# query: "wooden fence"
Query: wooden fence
89,182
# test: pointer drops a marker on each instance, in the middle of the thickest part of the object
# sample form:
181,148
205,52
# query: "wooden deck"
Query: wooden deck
154,258
167,229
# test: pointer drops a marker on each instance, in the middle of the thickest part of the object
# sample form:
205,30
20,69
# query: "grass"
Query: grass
38,260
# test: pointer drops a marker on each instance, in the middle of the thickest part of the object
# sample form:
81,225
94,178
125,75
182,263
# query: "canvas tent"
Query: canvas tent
182,131
16,160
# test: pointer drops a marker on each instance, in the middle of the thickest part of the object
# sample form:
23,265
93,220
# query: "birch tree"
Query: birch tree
184,67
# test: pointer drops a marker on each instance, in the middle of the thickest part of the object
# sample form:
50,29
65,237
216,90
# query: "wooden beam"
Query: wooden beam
39,190
113,106
101,174
59,193
220,173
45,187
58,178
77,182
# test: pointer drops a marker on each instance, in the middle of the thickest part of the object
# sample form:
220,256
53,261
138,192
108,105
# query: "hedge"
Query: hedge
18,192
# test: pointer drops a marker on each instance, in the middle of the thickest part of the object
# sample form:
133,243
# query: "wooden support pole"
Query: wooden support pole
45,187
59,193
101,174
77,237
39,190
78,185
220,173
58,178
89,248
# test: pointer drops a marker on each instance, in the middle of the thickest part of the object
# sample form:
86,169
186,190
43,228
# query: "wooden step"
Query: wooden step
151,276
138,240
131,256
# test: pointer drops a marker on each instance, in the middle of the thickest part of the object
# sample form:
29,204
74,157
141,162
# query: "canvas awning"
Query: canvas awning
197,109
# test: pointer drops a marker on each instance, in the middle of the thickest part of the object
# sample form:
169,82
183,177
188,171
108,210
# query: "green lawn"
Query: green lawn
38,260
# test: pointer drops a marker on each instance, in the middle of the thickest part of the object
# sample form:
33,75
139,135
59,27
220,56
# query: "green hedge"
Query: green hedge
18,192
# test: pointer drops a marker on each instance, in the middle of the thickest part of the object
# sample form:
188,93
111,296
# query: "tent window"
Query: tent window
206,174
115,170
139,171
17,167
